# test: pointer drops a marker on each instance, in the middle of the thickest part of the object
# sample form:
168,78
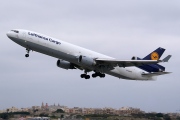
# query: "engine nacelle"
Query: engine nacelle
87,61
65,64
134,58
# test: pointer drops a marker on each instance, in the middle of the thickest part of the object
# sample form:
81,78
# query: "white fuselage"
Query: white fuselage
69,52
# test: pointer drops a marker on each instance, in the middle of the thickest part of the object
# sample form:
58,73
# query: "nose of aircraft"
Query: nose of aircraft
8,33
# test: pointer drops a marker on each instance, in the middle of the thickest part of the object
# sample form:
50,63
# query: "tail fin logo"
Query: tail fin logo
154,56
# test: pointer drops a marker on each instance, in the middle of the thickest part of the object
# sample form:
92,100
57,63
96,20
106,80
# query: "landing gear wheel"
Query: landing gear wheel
27,55
27,50
87,77
94,75
83,75
102,75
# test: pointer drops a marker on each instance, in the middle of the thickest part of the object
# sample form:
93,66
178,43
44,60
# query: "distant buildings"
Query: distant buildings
12,109
2,111
39,112
86,111
38,118
76,110
50,110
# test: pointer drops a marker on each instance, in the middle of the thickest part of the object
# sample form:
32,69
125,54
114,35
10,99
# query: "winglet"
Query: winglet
166,59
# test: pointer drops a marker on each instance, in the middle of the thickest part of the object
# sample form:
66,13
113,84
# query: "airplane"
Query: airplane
71,56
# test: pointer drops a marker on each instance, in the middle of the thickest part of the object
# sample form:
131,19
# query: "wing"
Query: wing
128,63
125,63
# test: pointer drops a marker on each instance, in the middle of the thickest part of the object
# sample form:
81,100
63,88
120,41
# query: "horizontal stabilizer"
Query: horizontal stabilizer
166,59
155,73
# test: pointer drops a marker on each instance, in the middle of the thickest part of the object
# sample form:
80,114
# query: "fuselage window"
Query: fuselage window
16,31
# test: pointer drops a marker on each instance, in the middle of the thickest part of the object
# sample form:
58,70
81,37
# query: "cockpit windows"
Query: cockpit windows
16,31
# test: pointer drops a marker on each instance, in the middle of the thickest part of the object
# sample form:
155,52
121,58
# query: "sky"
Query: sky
118,28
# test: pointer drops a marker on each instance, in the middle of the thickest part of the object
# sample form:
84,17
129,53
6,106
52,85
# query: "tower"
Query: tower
42,106
46,105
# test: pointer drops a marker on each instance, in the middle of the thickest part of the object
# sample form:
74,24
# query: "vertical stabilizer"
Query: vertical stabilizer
155,55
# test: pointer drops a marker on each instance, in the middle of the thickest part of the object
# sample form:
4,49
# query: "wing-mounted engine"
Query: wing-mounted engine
65,64
87,61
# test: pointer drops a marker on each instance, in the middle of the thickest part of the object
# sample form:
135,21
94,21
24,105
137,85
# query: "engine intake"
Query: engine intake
134,58
65,64
87,61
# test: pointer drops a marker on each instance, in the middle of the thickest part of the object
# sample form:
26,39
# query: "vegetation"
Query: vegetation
99,116
11,114
59,111
54,117
5,116
154,116
43,115
178,118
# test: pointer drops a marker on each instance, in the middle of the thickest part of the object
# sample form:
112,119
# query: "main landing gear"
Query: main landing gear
101,75
94,75
27,50
85,75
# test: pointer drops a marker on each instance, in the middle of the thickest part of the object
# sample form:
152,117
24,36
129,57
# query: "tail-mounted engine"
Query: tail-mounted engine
134,58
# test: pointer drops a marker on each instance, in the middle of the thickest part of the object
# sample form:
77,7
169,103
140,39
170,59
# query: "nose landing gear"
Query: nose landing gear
27,50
